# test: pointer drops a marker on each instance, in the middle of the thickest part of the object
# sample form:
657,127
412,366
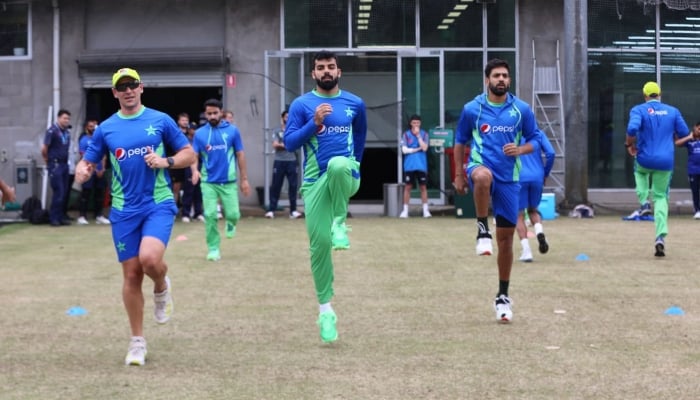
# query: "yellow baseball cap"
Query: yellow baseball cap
125,72
651,88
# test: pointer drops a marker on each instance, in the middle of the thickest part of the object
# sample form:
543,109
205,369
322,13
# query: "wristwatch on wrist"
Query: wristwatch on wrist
171,162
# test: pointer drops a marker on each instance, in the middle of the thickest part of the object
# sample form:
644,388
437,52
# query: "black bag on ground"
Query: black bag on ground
32,211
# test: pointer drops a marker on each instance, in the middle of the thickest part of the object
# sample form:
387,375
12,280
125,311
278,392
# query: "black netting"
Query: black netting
673,4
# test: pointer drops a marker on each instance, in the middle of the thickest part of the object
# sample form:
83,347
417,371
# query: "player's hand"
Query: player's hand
245,187
511,150
153,160
460,184
83,171
195,177
322,110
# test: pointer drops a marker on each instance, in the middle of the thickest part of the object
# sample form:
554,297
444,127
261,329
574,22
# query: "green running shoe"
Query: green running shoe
230,230
326,324
339,236
214,255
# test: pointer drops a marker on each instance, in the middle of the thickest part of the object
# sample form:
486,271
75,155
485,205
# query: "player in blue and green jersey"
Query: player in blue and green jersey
652,130
331,126
493,123
219,148
533,175
143,209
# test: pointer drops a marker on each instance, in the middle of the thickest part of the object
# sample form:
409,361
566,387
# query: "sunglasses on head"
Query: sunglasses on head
121,87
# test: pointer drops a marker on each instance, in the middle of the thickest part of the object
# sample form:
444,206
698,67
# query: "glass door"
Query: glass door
420,80
284,79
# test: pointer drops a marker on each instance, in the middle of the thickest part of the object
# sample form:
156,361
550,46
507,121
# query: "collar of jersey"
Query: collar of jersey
323,95
138,114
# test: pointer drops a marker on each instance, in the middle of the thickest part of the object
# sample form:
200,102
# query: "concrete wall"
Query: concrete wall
244,28
251,28
542,21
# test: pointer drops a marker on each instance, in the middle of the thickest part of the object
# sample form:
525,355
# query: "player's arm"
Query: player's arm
423,144
359,132
243,173
277,144
462,137
300,128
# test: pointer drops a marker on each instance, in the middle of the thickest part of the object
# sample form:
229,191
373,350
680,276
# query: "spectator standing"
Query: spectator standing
286,165
692,143
94,188
55,153
414,146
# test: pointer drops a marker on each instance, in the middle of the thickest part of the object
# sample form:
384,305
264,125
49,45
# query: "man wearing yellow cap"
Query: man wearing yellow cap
143,207
651,133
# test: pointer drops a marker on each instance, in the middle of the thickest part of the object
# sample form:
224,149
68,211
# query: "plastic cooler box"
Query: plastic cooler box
547,207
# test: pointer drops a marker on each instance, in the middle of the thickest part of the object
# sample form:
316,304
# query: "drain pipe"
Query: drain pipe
56,56
56,103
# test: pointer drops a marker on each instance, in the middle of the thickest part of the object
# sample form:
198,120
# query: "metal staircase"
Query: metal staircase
548,106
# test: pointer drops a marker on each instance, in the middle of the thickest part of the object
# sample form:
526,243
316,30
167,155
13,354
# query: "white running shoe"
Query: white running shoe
526,255
100,220
294,214
164,304
137,351
484,246
697,215
502,306
186,219
82,221
427,214
270,215
404,214
200,218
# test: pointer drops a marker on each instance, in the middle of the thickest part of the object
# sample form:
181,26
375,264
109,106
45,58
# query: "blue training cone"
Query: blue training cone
582,257
76,311
674,310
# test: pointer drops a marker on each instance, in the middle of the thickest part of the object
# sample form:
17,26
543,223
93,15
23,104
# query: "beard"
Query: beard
214,121
498,91
327,84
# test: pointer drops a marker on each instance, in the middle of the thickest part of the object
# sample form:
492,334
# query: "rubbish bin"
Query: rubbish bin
393,199
25,179
464,205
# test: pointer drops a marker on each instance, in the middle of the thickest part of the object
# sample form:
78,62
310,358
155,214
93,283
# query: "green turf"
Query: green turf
415,318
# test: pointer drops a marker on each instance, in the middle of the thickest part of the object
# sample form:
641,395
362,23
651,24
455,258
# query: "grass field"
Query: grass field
414,309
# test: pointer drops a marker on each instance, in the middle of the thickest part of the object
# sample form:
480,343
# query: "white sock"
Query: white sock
405,208
325,307
525,244
538,228
425,206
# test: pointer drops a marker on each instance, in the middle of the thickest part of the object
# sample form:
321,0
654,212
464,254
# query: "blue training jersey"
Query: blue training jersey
654,124
216,147
417,161
488,127
693,147
126,139
533,167
343,133
83,144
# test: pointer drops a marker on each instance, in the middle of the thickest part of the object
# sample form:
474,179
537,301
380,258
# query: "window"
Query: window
14,29
315,23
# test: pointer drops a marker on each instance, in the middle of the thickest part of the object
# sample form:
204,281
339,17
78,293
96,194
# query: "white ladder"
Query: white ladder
548,106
